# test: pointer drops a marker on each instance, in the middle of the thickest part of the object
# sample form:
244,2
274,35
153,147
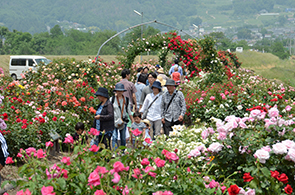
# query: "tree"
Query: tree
244,34
282,20
56,31
279,50
217,35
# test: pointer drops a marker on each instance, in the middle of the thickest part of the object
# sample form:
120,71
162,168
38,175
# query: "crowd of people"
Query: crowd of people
152,105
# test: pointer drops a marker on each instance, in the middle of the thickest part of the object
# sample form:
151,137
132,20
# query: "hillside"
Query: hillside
37,16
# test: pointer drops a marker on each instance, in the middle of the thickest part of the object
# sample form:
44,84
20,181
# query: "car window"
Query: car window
42,60
18,62
31,62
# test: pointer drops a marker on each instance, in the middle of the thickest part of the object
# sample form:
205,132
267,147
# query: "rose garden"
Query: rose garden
237,137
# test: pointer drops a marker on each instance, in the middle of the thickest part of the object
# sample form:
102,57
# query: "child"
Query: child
80,135
137,125
146,132
176,76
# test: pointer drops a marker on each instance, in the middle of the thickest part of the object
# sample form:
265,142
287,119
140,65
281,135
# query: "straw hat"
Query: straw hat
161,80
146,122
161,71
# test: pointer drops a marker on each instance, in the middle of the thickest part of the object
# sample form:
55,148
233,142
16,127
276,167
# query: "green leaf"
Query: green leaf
82,177
62,183
265,172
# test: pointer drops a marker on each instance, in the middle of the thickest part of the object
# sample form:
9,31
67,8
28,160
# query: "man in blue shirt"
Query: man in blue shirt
179,68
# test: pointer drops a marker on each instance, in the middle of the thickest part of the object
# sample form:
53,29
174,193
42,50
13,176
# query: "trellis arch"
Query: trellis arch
187,51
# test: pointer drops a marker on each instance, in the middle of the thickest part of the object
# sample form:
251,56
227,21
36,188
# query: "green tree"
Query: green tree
279,50
56,31
282,20
196,21
244,34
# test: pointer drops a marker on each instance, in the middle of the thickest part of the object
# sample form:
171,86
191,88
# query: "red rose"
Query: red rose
54,118
233,190
247,177
283,178
275,174
288,189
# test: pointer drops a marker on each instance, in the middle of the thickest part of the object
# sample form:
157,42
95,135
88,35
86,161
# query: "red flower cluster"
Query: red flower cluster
233,190
284,179
247,177
262,109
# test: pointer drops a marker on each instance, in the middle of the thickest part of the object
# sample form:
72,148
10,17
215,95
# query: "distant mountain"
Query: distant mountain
38,16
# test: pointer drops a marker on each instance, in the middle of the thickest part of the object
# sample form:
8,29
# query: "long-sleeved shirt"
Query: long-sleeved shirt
176,108
172,69
146,90
154,112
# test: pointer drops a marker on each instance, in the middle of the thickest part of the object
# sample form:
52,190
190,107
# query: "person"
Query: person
139,71
163,82
176,76
173,107
152,105
3,152
139,85
148,89
157,67
145,70
104,118
147,131
130,88
137,124
121,112
176,65
80,135
162,74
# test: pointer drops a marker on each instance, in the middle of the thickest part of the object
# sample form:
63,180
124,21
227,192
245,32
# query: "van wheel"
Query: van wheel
14,77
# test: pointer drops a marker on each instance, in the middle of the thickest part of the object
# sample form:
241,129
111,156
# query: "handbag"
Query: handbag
144,114
119,123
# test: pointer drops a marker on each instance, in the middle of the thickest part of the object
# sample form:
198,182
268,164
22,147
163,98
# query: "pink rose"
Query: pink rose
69,140
66,160
118,167
255,113
291,155
99,192
101,170
94,179
250,191
145,162
117,178
266,148
262,155
205,134
93,131
288,108
289,144
215,147
94,148
242,125
212,98
9,160
137,174
273,112
49,144
27,192
30,150
159,162
194,153
136,132
40,154
279,148
221,136
47,190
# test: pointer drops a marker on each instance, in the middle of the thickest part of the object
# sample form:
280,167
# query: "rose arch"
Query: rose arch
187,51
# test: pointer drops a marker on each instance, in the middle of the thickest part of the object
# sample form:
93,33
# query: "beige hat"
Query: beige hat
161,70
161,80
146,122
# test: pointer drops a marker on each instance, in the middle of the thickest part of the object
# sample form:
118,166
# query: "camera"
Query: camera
126,119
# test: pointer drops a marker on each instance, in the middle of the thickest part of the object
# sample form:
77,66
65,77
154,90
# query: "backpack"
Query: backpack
126,103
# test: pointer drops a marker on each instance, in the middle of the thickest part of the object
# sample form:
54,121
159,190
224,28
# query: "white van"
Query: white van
20,64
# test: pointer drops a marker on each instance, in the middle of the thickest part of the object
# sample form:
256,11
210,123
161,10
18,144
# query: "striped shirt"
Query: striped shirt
4,146
176,108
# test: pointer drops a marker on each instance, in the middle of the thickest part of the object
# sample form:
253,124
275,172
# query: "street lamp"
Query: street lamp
140,14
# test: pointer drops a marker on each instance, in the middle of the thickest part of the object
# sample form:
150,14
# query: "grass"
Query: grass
264,64
269,66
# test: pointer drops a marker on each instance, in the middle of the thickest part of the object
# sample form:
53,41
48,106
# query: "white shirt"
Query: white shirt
154,112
